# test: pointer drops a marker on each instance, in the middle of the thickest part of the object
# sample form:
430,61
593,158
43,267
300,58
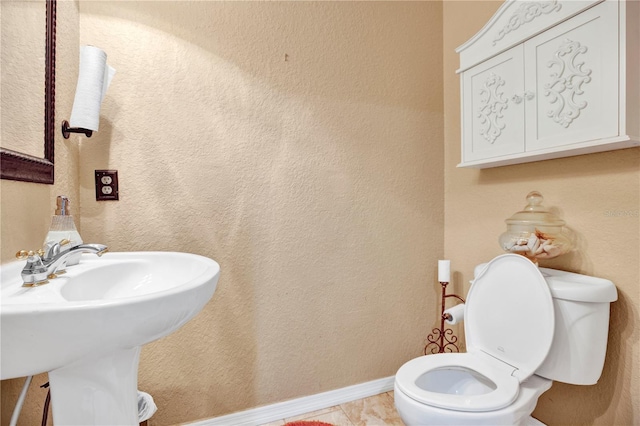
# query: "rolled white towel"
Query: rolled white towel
146,406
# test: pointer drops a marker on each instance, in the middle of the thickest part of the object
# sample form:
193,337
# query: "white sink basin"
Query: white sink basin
86,327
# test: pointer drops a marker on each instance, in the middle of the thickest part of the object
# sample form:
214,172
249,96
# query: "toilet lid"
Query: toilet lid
509,314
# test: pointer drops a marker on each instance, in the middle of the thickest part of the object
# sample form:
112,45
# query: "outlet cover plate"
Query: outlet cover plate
106,185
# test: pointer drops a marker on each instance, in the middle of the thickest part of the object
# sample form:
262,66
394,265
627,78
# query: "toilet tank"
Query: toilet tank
581,305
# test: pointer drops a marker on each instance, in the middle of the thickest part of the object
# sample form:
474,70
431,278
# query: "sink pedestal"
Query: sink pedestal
97,391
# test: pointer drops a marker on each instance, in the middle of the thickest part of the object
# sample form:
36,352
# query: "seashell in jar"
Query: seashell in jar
509,245
533,243
552,250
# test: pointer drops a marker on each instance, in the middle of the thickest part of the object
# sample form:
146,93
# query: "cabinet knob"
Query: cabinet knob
529,95
516,99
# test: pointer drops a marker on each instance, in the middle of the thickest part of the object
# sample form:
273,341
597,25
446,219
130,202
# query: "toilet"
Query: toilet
525,327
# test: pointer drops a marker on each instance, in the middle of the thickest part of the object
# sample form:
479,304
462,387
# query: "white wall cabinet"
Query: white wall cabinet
558,79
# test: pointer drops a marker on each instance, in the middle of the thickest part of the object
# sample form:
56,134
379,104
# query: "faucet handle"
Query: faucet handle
51,244
23,254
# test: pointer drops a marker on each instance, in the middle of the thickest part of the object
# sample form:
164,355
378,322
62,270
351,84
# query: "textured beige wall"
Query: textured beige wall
300,145
587,191
22,72
26,208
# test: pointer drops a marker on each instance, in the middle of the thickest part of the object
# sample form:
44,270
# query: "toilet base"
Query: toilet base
532,421
518,413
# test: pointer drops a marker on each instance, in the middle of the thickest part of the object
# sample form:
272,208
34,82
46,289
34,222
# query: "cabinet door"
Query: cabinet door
571,80
492,107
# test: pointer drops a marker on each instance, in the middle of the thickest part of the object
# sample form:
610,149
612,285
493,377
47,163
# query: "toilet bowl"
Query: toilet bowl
415,412
510,332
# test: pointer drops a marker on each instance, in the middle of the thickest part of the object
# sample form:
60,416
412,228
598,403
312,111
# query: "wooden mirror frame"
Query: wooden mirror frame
27,168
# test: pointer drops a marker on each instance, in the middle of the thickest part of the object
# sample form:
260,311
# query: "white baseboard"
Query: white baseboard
295,407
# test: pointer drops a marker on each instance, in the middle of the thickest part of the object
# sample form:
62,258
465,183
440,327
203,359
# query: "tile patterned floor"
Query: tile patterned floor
377,410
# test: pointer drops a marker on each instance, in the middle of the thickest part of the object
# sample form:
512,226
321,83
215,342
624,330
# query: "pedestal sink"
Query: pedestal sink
86,327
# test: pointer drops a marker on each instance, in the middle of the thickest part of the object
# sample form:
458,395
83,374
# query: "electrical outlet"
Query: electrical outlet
106,185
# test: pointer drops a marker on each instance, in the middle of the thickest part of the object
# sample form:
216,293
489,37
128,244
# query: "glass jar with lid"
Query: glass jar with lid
535,232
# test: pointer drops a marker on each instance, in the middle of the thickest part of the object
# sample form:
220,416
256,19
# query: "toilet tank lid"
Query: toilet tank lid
579,288
576,287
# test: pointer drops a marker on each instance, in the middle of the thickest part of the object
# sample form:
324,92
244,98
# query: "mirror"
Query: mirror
18,163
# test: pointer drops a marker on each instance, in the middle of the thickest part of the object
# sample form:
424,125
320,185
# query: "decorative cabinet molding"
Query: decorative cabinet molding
492,105
565,88
525,13
564,80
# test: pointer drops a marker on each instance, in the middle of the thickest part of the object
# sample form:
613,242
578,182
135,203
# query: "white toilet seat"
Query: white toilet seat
506,386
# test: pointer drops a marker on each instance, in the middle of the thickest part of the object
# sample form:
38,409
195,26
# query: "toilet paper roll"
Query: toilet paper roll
455,314
444,271
94,77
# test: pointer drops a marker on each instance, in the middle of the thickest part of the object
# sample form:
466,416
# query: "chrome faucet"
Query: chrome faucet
47,264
